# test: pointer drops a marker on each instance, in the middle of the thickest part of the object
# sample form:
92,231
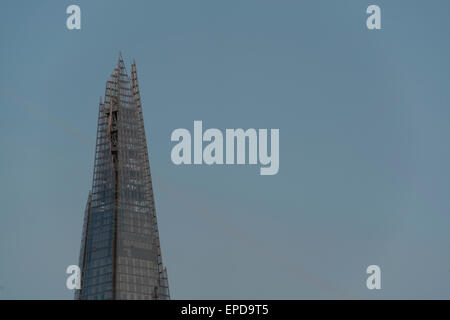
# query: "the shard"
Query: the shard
120,256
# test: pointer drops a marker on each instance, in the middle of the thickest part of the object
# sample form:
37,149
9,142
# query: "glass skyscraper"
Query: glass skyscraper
120,256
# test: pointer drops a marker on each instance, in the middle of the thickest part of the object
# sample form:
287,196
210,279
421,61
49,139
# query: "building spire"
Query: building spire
121,69
121,129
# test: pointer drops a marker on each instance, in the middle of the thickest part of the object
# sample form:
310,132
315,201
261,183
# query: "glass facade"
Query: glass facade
120,255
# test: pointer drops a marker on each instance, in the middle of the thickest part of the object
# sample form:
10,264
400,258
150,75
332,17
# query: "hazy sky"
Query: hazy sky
364,119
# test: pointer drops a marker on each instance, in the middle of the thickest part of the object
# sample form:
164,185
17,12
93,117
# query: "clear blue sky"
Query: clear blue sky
364,119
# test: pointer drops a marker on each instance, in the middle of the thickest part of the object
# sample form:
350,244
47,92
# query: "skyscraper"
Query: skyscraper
120,256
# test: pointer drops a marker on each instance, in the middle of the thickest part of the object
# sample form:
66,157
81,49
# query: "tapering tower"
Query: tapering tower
120,256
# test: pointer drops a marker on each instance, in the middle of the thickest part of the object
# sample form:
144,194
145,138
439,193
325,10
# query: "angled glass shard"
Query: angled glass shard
120,255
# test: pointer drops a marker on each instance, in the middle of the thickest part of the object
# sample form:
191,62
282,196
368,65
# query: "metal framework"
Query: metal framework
120,255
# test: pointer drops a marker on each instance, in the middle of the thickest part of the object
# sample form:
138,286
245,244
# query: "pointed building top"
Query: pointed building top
120,61
121,69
